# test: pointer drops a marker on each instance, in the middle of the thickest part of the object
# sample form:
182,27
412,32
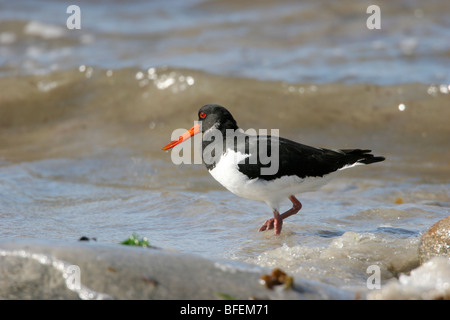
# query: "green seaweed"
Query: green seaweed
135,240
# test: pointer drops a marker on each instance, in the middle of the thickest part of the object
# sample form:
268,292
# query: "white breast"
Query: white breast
272,192
227,173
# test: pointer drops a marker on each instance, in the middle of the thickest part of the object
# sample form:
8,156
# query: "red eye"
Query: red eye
202,115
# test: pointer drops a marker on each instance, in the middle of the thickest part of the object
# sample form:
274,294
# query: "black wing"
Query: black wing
292,158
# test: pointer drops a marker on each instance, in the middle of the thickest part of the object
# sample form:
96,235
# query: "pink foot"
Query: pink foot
267,225
275,223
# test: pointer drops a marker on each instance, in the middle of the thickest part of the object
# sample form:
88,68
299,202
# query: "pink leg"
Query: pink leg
277,221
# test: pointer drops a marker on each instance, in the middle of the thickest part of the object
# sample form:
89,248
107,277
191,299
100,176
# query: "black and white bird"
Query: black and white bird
237,160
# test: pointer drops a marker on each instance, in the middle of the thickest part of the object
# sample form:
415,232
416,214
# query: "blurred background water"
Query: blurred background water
84,114
308,41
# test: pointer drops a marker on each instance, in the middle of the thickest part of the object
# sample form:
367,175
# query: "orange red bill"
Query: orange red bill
192,131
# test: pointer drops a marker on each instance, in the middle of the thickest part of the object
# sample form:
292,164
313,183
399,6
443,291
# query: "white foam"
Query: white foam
43,30
430,281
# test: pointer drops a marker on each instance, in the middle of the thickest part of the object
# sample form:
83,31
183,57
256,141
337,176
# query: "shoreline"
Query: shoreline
45,270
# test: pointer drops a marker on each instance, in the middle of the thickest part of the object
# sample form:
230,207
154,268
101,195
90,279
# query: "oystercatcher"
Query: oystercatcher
240,162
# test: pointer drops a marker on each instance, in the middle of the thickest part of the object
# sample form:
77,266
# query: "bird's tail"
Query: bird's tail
359,156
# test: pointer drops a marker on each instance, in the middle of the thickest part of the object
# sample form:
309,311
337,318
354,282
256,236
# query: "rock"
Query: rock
430,281
435,241
38,269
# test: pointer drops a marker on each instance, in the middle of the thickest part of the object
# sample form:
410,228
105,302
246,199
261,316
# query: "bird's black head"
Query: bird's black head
215,115
209,116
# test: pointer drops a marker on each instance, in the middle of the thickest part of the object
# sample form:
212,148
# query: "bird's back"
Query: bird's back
298,159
